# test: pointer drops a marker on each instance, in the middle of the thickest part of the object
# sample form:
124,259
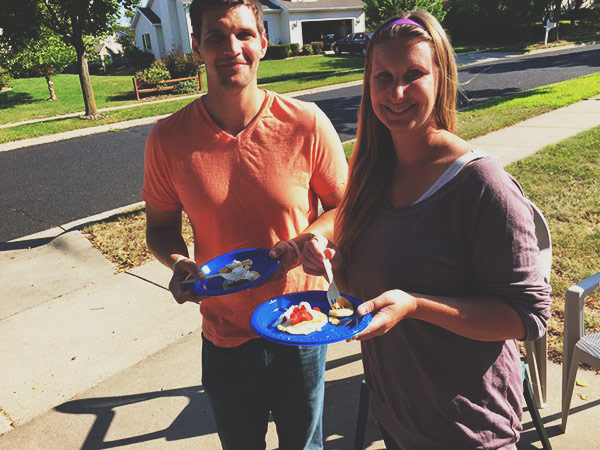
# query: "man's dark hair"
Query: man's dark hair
198,7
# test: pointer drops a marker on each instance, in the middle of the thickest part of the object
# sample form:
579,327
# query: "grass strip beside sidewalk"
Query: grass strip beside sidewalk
511,109
506,111
55,126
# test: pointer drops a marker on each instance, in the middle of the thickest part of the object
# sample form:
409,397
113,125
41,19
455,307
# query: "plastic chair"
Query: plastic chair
578,347
536,352
363,413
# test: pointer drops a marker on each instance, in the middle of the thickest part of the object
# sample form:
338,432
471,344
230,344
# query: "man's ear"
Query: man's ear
264,43
196,48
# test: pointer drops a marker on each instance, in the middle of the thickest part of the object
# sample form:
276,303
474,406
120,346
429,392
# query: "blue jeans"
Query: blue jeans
245,383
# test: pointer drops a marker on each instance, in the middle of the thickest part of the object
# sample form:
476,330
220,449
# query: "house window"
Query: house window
266,24
146,42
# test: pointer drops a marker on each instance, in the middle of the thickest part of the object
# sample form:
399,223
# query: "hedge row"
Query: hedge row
282,51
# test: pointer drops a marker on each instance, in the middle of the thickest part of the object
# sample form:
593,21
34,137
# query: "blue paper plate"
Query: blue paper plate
265,316
261,263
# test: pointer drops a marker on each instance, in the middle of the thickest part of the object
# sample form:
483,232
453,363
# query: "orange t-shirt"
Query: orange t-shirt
248,190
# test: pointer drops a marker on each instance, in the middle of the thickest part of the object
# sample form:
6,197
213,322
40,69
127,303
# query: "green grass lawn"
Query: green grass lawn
28,98
302,67
505,111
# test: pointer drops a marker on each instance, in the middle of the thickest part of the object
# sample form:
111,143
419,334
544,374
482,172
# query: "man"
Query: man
248,167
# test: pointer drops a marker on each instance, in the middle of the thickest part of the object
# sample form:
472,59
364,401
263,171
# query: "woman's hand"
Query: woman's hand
388,309
316,251
182,270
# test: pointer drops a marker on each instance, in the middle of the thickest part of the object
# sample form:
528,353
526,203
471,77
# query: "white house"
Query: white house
164,25
109,49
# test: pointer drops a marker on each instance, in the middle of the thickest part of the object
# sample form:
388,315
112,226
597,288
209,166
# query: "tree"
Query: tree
71,20
39,57
494,21
378,11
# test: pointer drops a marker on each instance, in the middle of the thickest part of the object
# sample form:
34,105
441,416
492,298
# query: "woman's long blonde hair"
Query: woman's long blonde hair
374,157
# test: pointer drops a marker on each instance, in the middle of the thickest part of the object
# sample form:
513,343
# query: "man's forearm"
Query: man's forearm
166,244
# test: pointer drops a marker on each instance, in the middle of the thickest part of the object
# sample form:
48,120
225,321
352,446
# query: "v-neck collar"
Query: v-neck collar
222,134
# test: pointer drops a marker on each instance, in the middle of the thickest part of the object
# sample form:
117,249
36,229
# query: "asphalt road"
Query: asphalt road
52,184
478,83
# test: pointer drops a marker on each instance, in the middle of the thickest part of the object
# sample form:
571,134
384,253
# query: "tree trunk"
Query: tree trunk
50,87
91,111
557,15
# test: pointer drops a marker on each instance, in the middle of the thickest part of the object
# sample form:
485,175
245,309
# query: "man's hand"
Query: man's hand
183,270
289,257
388,309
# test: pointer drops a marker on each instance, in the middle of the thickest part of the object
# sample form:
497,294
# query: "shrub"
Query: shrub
307,49
152,75
278,51
139,59
4,78
95,67
295,49
186,87
317,47
182,65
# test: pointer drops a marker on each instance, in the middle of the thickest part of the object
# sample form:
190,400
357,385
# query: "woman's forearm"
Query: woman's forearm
324,225
479,318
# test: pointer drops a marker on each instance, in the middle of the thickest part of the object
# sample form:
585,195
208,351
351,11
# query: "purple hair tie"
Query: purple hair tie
401,22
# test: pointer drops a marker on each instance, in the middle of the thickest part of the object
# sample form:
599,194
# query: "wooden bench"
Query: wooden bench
164,85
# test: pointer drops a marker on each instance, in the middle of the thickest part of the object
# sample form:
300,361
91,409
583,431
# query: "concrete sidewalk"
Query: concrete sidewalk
95,359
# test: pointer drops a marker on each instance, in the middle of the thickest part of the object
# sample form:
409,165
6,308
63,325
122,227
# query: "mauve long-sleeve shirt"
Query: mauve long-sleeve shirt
430,388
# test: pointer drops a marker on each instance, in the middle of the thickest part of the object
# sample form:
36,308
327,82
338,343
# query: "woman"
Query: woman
440,242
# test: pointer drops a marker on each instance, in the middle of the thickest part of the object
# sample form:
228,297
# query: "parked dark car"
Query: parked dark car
353,43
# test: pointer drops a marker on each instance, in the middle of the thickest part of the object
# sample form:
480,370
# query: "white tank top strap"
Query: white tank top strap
451,172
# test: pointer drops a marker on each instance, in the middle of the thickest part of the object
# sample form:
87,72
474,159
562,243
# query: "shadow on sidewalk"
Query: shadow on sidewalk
192,421
529,434
196,419
33,242
26,243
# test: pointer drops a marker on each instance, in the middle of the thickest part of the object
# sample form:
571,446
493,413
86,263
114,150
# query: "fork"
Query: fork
193,280
226,276
333,292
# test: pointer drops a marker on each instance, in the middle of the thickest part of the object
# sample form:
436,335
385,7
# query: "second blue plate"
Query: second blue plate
265,316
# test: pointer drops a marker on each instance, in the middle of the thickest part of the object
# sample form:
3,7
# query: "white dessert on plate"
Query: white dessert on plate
238,272
301,319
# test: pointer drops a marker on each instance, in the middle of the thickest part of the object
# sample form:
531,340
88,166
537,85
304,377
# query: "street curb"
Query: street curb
80,223
24,143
